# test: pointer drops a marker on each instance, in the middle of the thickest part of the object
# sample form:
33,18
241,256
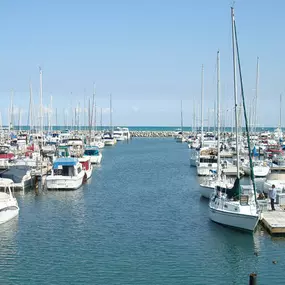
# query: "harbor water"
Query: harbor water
139,220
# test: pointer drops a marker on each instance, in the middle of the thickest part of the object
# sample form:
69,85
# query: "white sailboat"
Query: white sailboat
235,207
180,137
208,186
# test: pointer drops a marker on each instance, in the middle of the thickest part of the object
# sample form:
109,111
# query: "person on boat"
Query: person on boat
272,196
261,196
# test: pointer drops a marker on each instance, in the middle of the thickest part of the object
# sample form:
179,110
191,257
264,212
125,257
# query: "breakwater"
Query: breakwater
155,134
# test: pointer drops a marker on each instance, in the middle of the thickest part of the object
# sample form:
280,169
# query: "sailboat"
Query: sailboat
217,179
237,206
180,137
108,137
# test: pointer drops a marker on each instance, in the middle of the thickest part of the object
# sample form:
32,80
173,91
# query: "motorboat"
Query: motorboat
9,208
207,161
93,154
118,134
109,140
20,175
67,174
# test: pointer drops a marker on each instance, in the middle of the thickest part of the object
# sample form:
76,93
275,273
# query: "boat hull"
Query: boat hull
96,159
206,190
8,214
235,220
205,170
258,171
64,182
88,173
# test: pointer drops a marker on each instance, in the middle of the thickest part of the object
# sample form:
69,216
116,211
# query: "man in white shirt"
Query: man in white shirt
272,196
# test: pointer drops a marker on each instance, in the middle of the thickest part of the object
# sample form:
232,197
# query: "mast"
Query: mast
95,119
194,117
111,111
181,118
50,114
11,111
41,102
245,115
84,107
202,95
280,115
218,115
19,120
30,114
256,93
101,117
235,88
56,117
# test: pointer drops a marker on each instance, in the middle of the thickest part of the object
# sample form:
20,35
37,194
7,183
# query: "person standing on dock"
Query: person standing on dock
272,196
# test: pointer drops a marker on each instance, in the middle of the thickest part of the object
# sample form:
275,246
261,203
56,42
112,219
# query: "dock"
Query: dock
274,221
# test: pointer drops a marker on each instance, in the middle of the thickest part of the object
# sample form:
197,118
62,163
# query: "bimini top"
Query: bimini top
65,161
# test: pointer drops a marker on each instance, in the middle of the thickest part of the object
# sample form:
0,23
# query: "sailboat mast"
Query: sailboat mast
111,111
181,118
218,114
235,90
202,98
101,119
30,121
93,102
280,115
256,93
41,102
194,118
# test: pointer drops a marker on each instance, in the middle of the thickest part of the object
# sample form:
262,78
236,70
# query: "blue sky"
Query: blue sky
147,53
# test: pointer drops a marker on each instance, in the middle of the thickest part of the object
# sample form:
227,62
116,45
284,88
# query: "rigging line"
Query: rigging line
245,115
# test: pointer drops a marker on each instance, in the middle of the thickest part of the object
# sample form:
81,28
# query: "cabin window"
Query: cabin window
79,170
67,171
57,171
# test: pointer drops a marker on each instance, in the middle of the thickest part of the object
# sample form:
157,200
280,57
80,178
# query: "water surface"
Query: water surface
139,220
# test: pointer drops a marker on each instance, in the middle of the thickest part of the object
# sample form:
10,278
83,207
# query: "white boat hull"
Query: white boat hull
258,171
205,170
96,159
8,214
109,142
89,172
236,220
206,190
65,182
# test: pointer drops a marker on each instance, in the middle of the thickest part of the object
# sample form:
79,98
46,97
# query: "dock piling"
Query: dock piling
252,278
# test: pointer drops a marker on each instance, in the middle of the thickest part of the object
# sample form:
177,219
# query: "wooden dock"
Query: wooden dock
274,221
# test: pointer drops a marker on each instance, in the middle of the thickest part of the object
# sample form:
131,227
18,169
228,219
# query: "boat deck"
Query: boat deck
274,221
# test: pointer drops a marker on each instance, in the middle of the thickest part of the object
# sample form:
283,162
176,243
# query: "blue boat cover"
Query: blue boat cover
91,151
15,172
65,161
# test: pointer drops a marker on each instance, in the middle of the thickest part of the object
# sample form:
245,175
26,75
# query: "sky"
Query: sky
146,53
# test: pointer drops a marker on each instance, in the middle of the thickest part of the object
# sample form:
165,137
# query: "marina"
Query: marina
139,144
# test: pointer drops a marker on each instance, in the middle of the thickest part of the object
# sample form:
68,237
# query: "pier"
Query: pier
274,221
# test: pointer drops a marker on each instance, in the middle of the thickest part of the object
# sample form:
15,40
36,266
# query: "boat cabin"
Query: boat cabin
66,166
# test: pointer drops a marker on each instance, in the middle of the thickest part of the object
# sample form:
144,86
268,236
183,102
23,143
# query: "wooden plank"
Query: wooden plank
274,221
